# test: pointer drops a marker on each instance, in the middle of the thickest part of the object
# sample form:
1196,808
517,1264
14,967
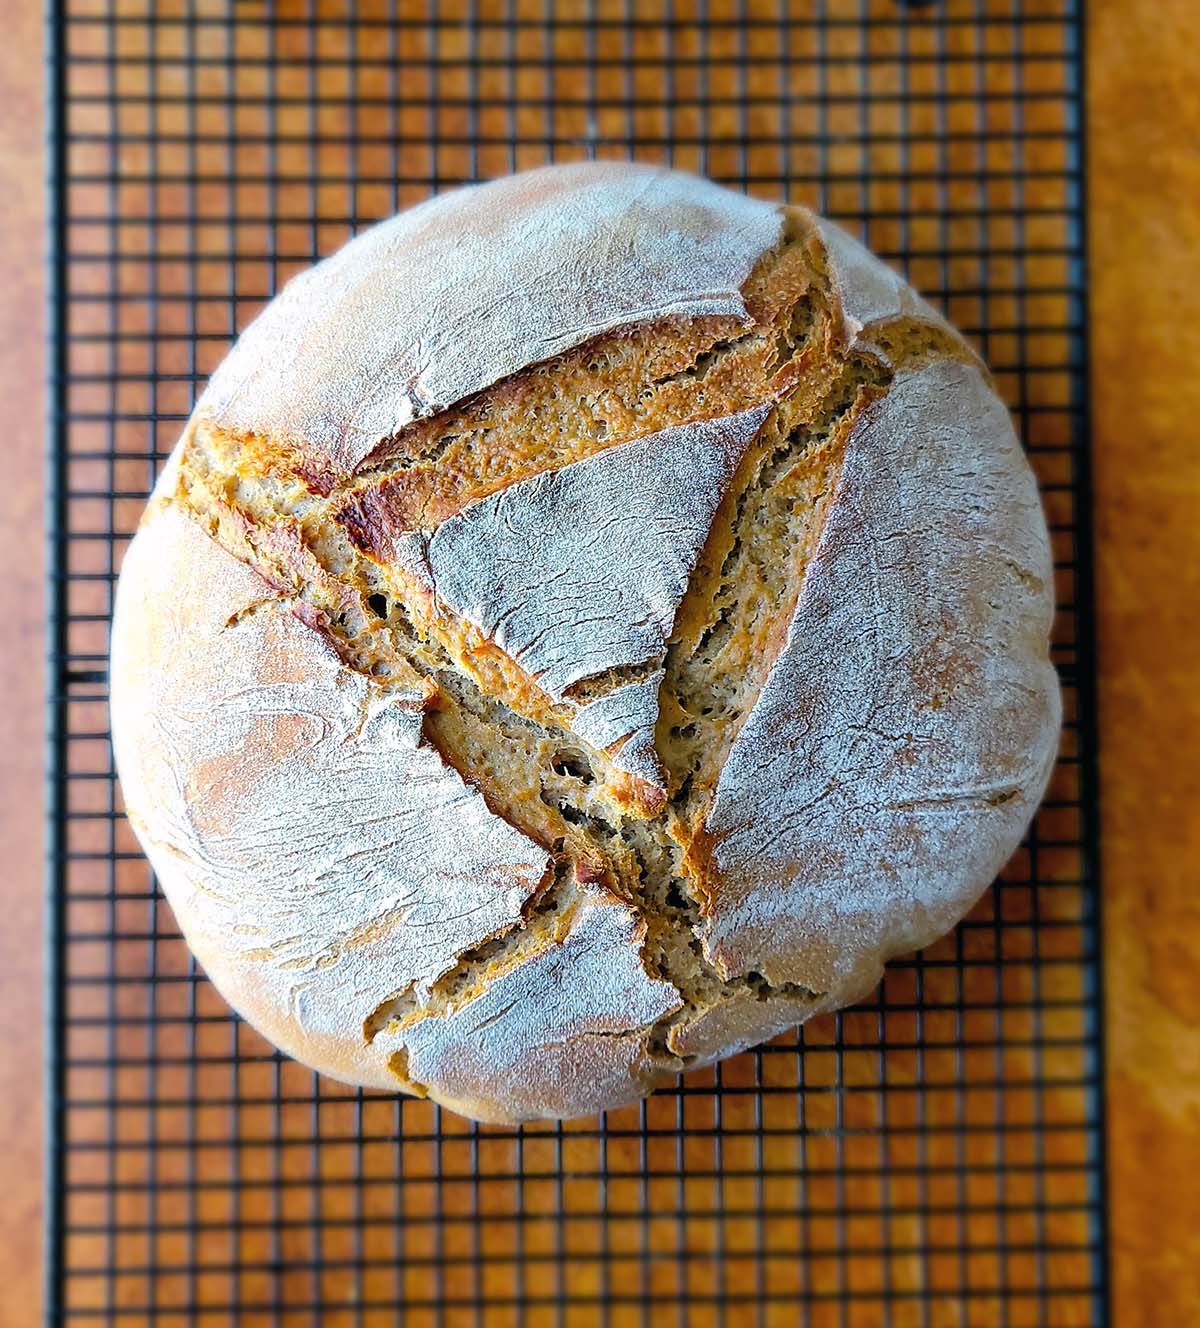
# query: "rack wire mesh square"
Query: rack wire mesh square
932,1157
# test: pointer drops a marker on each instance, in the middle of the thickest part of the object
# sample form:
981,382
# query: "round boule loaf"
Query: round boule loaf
589,624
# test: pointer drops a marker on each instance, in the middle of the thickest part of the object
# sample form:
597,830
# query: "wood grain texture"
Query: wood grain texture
1144,208
21,611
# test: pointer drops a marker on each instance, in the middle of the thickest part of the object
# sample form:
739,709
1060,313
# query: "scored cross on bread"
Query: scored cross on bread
589,624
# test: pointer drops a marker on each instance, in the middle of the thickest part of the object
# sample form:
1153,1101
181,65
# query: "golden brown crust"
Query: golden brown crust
416,314
622,385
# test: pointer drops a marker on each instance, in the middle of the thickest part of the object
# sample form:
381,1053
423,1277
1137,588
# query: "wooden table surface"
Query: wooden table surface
1144,236
1144,233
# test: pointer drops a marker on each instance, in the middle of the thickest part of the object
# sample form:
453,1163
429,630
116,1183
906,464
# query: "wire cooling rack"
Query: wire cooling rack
932,1157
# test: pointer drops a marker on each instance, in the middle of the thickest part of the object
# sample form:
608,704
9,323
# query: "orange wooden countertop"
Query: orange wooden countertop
1144,236
22,596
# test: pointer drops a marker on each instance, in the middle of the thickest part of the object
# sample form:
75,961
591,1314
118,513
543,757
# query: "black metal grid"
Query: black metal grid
932,1157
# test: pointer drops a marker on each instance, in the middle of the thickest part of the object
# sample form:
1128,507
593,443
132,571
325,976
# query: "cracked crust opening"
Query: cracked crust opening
521,728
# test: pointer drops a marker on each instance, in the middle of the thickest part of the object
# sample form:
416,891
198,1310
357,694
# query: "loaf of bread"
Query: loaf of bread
589,624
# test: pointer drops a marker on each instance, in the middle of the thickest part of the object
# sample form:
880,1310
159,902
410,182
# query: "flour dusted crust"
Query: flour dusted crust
589,625
908,726
867,291
560,1034
416,314
625,719
533,566
292,801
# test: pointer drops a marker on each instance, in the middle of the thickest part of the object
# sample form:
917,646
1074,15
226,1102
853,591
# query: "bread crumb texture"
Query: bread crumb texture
589,624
